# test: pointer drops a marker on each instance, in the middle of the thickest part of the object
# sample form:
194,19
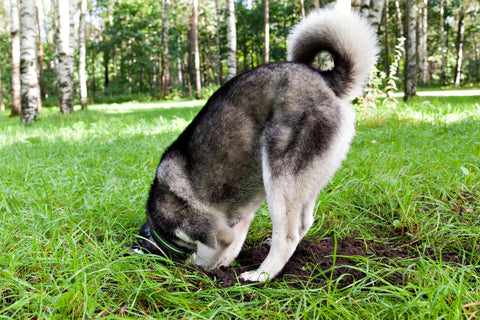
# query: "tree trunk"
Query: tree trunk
106,76
40,58
422,43
2,104
16,87
71,42
476,57
93,81
218,57
387,41
375,12
442,43
179,61
267,32
410,59
82,75
231,40
64,69
399,31
311,5
459,45
196,53
165,61
344,5
30,94
364,7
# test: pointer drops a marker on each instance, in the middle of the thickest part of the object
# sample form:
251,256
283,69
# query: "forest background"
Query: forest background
149,50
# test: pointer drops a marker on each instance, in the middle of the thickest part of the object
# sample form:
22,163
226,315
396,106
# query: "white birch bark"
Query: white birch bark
411,50
231,41
267,32
217,38
459,45
82,76
398,19
64,66
2,104
344,5
30,94
15,80
442,43
196,53
311,5
422,43
71,42
375,11
165,61
364,7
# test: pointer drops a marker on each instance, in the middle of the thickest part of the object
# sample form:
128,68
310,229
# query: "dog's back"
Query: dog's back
279,131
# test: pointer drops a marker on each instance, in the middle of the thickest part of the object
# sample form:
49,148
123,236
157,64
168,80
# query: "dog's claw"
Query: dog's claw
268,242
134,248
255,276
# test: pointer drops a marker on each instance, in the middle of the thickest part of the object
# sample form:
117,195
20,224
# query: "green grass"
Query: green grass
73,191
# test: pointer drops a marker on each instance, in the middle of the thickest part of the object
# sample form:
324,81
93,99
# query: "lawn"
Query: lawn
73,191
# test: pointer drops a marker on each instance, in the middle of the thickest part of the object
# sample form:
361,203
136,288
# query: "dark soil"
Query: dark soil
312,262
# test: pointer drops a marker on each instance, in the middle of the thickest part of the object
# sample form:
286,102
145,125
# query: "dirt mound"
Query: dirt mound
314,262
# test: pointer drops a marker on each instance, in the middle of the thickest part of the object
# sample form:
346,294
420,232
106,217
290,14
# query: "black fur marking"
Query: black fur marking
292,143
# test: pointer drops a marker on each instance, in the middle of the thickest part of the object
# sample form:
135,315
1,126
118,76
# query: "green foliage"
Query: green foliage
74,190
124,39
6,65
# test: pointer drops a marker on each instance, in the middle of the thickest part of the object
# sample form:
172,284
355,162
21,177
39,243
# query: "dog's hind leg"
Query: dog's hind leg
291,200
292,217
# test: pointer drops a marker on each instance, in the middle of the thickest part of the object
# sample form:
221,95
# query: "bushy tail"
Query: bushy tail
348,37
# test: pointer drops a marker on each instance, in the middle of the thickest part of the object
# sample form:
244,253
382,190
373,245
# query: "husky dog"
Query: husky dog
279,131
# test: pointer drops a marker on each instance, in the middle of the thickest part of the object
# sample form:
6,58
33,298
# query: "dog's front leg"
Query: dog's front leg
206,256
212,255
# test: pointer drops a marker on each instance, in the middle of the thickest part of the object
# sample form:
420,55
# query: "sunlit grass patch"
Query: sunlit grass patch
74,190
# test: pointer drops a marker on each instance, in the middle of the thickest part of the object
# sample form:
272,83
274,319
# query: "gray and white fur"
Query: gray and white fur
278,132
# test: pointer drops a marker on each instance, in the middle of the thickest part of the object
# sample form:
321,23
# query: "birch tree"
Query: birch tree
196,53
71,43
2,104
40,54
398,20
165,63
372,10
410,58
459,45
30,94
422,43
15,80
344,5
443,76
267,32
217,39
231,40
82,76
64,66
311,5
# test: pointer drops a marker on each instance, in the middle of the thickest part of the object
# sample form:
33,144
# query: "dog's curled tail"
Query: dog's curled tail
348,37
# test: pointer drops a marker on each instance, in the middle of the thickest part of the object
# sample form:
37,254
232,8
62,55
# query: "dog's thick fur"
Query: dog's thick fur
278,132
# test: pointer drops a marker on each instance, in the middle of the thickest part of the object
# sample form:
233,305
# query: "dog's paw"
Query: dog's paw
255,276
133,248
268,242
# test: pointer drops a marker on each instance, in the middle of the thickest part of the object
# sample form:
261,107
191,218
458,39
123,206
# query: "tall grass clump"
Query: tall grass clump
73,191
